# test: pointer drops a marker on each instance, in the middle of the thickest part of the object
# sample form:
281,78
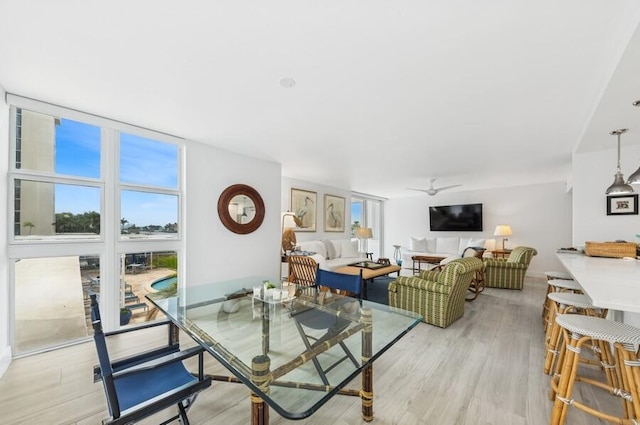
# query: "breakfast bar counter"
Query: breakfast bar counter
612,283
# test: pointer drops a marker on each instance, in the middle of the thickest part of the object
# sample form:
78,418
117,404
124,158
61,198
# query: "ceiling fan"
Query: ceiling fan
432,190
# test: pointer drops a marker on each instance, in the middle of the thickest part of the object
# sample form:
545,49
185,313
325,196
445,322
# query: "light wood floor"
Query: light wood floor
486,368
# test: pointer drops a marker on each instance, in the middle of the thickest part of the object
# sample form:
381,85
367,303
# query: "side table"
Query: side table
427,259
501,253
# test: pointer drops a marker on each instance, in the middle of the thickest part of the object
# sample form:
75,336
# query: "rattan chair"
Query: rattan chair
436,295
302,272
509,273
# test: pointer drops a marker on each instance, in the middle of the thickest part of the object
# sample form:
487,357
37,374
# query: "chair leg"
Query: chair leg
315,361
183,414
348,353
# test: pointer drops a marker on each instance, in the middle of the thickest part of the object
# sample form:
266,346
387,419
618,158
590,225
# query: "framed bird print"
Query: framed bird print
334,213
303,204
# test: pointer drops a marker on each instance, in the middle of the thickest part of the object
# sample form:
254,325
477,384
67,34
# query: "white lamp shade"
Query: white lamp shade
288,222
364,233
502,230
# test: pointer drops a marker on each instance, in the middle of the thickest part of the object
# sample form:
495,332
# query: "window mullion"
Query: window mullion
110,291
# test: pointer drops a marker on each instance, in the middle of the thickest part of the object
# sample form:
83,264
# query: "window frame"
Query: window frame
109,245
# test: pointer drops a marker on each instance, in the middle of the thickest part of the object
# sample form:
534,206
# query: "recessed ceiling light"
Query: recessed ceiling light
287,82
636,103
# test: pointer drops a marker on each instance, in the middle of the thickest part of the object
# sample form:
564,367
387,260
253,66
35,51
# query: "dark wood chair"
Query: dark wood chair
477,283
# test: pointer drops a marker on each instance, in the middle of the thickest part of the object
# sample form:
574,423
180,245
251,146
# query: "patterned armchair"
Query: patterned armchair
437,295
509,273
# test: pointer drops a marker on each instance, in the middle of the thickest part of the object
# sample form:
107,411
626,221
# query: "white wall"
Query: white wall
540,216
213,252
592,174
319,234
5,349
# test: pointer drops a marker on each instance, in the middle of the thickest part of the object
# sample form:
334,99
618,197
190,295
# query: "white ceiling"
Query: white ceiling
387,93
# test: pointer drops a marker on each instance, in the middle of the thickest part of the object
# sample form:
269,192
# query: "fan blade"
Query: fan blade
439,189
420,190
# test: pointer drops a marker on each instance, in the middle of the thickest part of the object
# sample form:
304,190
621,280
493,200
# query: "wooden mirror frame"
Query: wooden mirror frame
223,208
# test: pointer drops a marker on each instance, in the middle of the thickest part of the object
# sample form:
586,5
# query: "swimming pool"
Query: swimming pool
164,283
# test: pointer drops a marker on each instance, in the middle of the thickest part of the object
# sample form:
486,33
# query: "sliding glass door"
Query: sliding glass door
368,212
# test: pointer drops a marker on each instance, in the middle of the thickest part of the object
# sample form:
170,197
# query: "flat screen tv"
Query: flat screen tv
456,218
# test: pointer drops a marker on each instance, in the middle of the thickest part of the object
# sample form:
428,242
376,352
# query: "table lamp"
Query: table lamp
289,222
362,234
503,230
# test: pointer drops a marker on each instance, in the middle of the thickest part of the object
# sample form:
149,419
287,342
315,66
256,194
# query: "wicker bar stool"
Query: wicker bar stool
564,303
579,330
552,275
557,285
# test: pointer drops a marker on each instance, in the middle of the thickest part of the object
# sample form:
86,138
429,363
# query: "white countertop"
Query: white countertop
611,283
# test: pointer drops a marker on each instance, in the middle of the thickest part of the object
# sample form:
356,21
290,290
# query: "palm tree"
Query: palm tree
30,225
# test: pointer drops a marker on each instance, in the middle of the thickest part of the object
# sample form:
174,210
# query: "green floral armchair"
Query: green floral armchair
509,273
437,295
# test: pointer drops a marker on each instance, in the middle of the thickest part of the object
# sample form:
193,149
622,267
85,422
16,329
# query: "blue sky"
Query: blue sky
356,212
142,161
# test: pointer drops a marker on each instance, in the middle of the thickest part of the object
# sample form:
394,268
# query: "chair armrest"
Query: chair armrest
430,274
170,358
137,328
138,358
494,261
504,264
420,284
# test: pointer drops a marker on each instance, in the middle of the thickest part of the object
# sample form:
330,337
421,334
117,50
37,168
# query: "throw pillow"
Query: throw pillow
416,244
448,245
432,244
477,243
350,249
337,247
314,246
331,251
462,244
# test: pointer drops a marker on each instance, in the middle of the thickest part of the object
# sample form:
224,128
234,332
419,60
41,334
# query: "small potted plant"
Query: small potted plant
125,316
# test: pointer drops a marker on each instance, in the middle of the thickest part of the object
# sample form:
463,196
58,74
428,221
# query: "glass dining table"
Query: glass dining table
259,336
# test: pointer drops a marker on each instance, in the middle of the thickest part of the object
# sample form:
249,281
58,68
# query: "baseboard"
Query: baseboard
5,360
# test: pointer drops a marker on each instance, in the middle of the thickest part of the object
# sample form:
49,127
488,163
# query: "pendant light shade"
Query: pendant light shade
635,177
619,187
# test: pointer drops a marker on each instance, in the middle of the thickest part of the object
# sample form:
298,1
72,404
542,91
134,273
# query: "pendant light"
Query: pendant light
635,177
619,187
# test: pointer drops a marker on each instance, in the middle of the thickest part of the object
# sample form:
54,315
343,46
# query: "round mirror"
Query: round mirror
241,209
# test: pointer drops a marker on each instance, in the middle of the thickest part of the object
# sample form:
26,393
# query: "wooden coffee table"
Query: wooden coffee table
368,274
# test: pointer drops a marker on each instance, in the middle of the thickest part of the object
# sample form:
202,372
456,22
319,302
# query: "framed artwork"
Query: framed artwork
334,213
622,205
303,204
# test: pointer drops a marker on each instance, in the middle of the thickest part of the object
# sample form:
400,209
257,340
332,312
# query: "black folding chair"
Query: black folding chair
333,325
146,383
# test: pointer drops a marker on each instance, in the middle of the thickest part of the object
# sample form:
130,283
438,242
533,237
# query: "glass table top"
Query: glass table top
237,331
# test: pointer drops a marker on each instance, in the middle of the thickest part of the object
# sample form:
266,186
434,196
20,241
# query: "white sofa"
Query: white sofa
447,247
331,254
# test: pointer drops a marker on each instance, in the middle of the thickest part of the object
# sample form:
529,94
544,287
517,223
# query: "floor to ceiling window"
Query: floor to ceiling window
368,212
96,210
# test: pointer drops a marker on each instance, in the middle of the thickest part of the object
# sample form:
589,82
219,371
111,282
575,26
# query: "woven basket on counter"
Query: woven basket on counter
610,249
